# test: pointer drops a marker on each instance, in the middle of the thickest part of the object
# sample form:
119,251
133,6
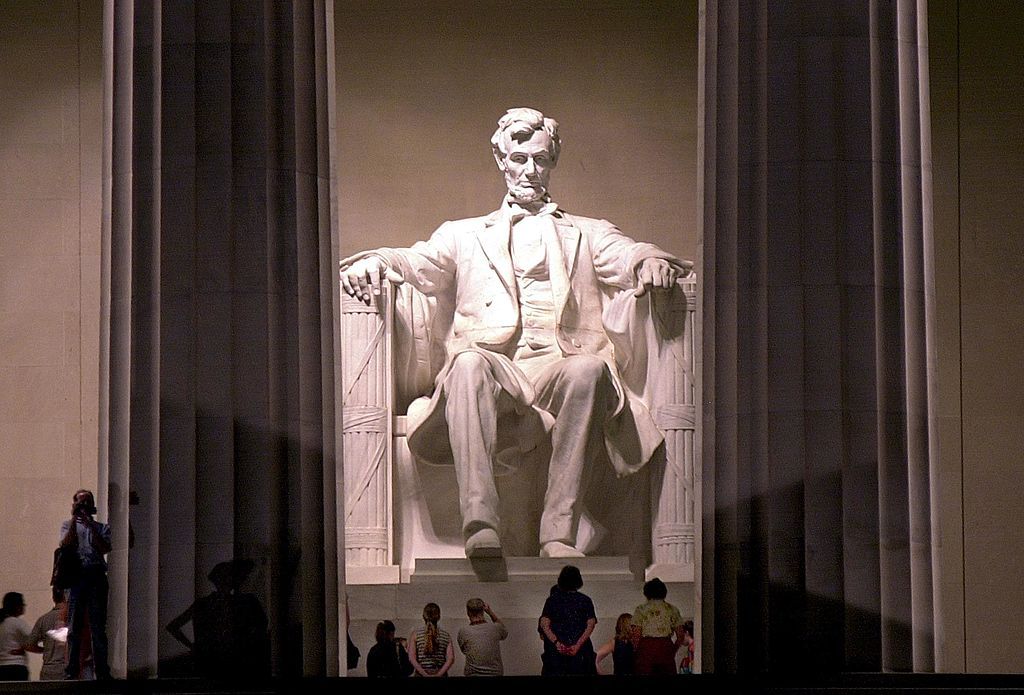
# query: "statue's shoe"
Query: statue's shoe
483,543
559,549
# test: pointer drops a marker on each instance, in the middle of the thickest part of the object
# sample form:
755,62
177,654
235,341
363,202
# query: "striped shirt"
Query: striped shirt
431,662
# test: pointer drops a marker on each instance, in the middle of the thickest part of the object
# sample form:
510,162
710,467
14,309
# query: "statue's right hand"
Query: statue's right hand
366,276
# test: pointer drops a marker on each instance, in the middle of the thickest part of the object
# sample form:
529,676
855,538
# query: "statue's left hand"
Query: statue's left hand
657,273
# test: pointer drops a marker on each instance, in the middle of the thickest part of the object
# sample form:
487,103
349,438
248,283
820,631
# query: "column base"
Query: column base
669,572
382,574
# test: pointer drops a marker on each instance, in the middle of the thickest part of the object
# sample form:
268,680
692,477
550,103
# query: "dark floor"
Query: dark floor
930,684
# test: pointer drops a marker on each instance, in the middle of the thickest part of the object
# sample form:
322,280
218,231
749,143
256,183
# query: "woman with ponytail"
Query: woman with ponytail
432,654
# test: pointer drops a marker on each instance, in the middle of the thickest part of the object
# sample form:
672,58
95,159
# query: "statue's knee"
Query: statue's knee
470,362
468,368
588,369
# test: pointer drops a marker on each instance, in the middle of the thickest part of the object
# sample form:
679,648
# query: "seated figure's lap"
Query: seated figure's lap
473,369
553,379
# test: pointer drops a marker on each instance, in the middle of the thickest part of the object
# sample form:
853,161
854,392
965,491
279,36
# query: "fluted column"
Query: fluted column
220,297
817,367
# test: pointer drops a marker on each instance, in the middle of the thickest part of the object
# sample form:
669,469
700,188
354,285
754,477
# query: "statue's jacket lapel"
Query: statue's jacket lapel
493,238
575,287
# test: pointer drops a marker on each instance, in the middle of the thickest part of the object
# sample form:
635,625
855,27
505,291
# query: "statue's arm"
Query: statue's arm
429,266
629,264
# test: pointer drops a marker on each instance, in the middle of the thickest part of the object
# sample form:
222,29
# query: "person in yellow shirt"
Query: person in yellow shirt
659,627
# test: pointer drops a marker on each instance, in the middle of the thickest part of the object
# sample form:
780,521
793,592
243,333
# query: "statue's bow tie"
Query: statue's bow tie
518,212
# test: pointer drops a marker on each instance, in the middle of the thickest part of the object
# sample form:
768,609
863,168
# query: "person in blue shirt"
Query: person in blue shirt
567,621
87,597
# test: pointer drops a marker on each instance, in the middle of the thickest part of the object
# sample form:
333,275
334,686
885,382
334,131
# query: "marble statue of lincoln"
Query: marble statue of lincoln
526,287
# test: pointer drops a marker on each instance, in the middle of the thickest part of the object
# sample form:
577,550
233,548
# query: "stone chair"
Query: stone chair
398,511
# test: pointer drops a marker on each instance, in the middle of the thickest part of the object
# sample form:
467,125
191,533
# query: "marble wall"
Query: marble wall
977,106
50,203
421,86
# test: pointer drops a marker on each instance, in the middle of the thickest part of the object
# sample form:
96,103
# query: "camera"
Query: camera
83,507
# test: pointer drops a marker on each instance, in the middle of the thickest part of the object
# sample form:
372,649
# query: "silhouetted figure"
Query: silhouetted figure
621,647
543,637
13,638
229,626
351,650
87,596
657,622
49,638
388,657
432,654
568,619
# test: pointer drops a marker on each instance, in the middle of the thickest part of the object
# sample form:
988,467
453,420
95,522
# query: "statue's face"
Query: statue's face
528,166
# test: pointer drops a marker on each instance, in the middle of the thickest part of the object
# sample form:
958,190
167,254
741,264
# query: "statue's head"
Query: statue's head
526,147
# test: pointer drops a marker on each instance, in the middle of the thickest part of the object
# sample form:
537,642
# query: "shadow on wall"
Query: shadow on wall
229,627
771,612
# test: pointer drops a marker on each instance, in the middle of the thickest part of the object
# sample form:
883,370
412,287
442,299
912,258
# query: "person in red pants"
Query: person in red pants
659,627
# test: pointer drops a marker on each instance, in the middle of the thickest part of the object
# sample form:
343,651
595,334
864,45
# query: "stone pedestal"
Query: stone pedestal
518,569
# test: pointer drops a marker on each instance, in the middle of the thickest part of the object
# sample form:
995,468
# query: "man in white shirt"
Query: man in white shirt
49,638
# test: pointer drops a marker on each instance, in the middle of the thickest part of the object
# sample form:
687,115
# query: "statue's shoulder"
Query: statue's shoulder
586,224
467,224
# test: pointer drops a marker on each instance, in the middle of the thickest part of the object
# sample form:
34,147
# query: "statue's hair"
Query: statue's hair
520,123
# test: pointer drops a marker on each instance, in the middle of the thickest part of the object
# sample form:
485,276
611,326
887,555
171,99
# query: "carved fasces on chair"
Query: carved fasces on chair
367,396
673,501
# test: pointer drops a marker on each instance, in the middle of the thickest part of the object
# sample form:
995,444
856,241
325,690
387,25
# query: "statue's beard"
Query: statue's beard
527,194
